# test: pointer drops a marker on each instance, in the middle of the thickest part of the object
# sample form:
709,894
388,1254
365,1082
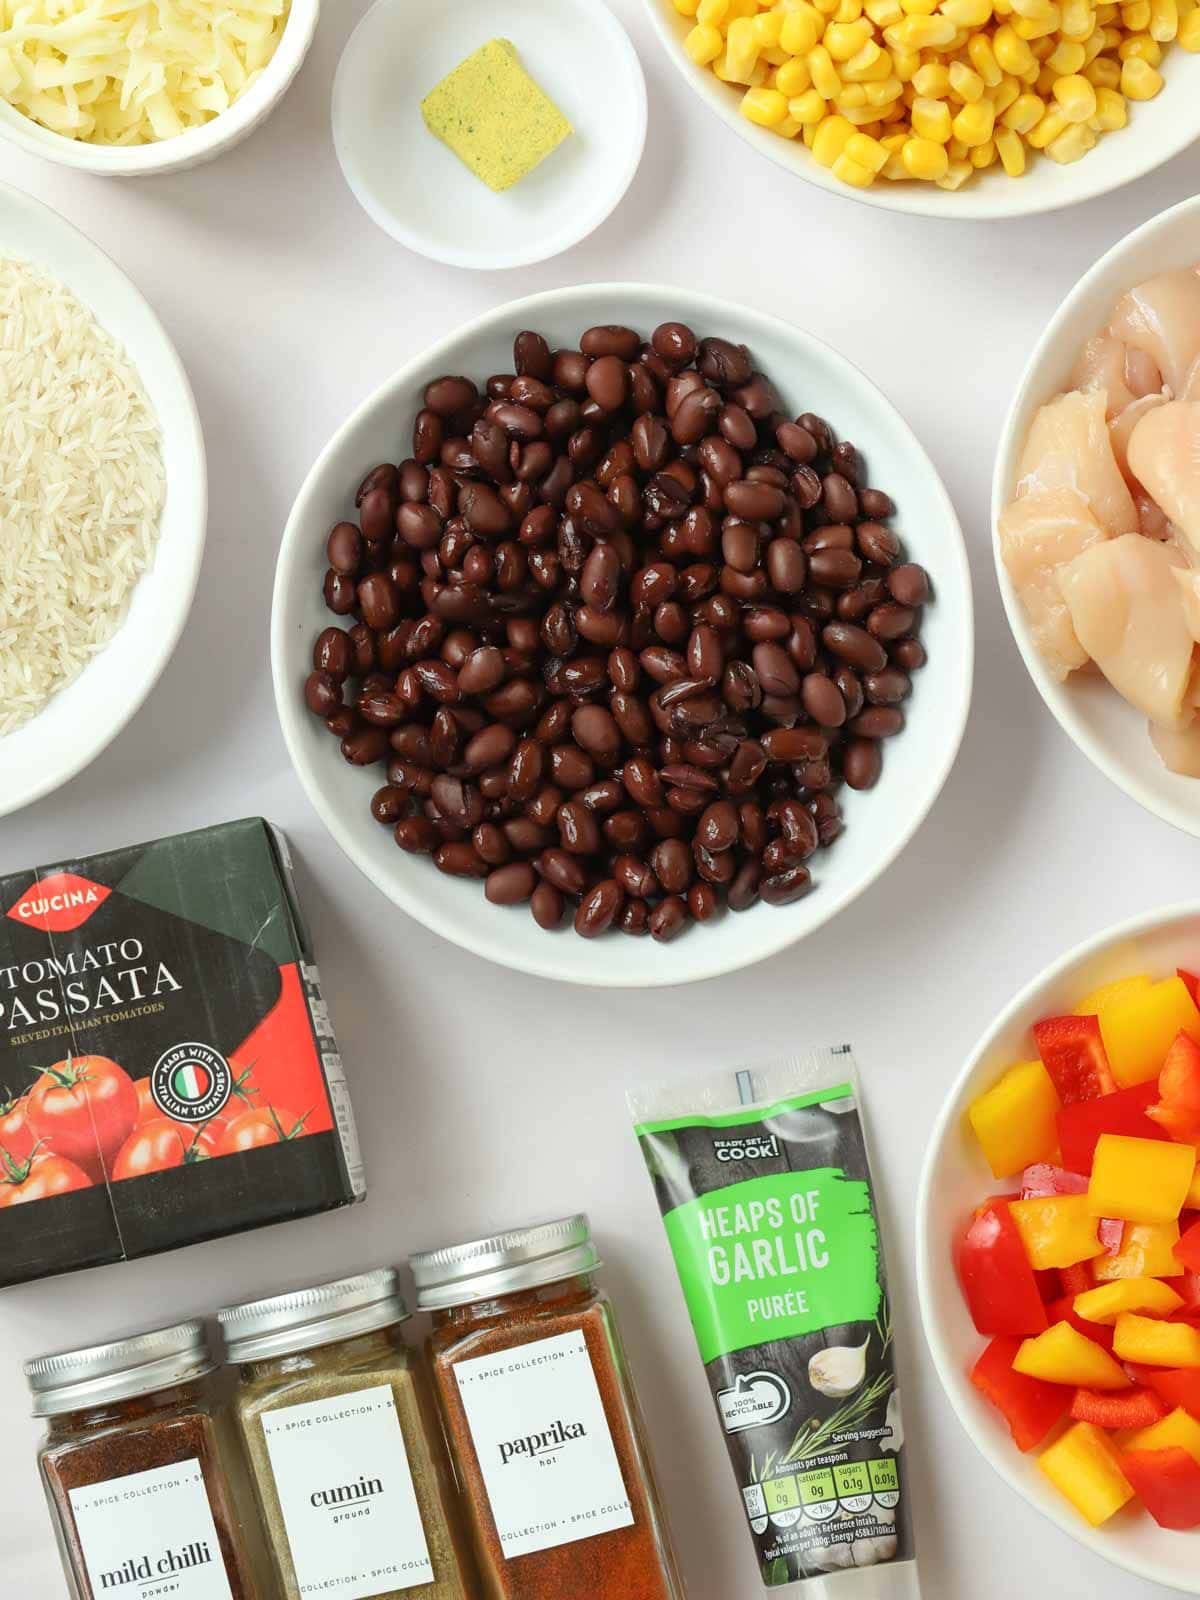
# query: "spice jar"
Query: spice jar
345,1445
143,1470
542,1419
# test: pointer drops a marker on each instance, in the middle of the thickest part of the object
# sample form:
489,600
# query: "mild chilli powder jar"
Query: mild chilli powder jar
143,1470
542,1419
345,1445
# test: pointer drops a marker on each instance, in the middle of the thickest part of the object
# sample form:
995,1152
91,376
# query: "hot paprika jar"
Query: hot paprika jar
143,1471
543,1423
346,1447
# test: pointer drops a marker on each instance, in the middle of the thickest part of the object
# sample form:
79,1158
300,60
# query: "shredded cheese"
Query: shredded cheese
126,72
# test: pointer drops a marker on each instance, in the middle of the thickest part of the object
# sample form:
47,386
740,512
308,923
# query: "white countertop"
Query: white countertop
484,1098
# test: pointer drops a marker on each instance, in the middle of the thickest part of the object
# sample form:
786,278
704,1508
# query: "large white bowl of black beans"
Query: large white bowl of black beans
648,657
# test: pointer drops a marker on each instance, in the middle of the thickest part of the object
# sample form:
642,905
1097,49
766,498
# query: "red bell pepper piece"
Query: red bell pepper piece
1176,1386
1043,1178
1063,1310
1168,1482
1132,1408
1077,1279
1191,982
1080,1125
997,1281
1178,1106
1188,1248
1188,1285
1030,1406
1073,1053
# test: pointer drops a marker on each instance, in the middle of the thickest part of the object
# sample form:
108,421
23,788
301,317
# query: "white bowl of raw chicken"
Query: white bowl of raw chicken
1128,604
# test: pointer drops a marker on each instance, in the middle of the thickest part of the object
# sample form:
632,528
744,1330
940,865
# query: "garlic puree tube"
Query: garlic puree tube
764,1185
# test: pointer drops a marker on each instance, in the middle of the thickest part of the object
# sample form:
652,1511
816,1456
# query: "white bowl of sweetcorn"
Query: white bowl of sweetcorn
947,108
200,100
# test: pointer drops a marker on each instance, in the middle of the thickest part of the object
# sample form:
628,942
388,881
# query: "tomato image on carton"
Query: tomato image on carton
168,1072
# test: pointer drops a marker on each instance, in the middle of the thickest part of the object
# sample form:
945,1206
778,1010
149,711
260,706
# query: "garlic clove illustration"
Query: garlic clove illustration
839,1370
894,1422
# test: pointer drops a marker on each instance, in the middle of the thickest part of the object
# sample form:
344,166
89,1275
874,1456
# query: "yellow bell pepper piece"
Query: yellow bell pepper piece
1192,1199
1109,993
1107,1302
1083,1466
1057,1230
1014,1119
1179,1431
1140,1180
1154,1343
1147,1251
1139,1029
1064,1355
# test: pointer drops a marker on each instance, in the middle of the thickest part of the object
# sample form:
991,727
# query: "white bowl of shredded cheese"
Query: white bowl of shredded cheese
103,495
131,92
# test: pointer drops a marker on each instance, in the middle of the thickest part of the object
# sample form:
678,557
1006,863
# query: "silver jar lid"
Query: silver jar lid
102,1374
306,1318
522,1259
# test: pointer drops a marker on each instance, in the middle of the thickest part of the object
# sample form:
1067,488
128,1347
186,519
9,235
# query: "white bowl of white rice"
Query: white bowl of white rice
103,500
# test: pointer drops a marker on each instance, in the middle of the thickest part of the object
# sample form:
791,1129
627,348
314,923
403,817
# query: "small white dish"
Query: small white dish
1109,732
78,722
196,145
880,822
413,185
956,1179
1158,130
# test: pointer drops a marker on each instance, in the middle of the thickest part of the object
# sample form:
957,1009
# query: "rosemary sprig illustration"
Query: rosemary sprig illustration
815,1435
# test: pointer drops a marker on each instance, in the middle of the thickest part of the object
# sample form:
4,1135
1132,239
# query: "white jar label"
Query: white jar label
344,1483
151,1536
539,1430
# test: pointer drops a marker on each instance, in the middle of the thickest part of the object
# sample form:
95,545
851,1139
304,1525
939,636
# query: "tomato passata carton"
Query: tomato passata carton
168,1072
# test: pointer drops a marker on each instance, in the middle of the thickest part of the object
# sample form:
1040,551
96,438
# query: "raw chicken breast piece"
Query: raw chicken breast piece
1179,749
1162,317
1127,611
1121,427
1101,365
1039,534
1068,448
1164,457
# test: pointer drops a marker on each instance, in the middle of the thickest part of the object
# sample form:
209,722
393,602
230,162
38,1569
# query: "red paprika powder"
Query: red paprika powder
543,1422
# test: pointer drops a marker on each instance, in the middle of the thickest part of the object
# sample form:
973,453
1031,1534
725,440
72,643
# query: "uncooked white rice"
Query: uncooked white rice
81,488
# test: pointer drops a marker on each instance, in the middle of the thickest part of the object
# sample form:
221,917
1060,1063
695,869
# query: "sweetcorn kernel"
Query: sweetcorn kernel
686,8
1111,111
1025,113
974,123
852,96
846,39
831,140
1078,19
766,107
1076,97
1189,31
1012,52
1139,80
965,83
1103,74
824,74
808,108
703,44
884,93
932,80
968,13
1164,20
800,31
1011,150
712,13
1136,15
793,78
983,155
852,172
983,59
931,119
1005,95
955,175
866,151
1067,57
1074,142
925,159
1051,125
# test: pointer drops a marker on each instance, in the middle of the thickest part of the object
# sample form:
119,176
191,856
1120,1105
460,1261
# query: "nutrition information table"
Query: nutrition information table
486,1099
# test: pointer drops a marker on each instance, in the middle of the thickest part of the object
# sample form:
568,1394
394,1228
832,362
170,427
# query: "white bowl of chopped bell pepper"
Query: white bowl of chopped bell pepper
87,92
1155,955
947,108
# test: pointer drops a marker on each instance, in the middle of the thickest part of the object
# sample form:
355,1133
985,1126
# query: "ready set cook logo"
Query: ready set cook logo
541,1447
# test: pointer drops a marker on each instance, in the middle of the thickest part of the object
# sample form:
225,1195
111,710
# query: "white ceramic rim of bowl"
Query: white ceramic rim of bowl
565,239
194,145
971,204
948,1369
160,646
426,909
1057,696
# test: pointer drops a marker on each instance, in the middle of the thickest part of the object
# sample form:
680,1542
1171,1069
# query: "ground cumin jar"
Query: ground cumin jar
542,1418
345,1445
143,1470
